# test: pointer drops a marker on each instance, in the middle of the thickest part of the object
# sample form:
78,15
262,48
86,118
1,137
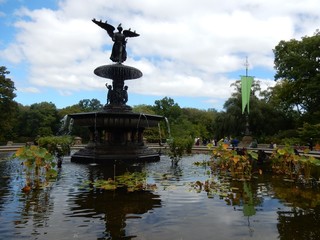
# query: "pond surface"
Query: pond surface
266,208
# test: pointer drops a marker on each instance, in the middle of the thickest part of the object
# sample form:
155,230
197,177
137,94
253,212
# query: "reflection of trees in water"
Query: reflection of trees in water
176,172
37,207
6,178
34,207
303,219
299,224
117,205
297,195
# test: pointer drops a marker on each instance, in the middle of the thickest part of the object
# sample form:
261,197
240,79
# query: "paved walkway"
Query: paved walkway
195,149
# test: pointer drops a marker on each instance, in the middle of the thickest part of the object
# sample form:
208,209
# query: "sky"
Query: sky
188,50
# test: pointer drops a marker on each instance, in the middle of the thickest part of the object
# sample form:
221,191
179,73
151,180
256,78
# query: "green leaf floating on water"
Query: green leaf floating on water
131,181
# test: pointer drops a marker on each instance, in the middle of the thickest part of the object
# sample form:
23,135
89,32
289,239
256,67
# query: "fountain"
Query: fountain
116,132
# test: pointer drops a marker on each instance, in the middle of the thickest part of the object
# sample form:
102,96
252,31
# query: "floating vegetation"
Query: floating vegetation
298,168
233,177
203,163
243,164
40,161
38,166
130,181
237,165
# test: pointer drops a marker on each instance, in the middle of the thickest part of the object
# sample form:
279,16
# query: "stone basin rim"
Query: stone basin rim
118,71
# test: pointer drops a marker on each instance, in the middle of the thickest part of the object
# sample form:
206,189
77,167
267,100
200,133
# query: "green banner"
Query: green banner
246,83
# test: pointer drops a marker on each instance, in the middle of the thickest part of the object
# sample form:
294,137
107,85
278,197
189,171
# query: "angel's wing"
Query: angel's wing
129,33
106,26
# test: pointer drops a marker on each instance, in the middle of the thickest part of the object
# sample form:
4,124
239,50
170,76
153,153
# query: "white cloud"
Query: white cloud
29,90
185,48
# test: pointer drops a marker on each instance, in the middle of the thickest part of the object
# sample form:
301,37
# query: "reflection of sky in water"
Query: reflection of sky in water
185,213
176,210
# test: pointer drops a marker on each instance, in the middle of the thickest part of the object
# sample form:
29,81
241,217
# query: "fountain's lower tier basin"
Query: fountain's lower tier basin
115,136
107,154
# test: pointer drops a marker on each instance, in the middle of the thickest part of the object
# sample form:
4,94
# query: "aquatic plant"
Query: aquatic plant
288,162
58,146
229,161
130,181
39,161
177,147
38,166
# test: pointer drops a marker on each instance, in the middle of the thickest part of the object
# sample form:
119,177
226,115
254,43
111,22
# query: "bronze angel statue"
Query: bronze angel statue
119,53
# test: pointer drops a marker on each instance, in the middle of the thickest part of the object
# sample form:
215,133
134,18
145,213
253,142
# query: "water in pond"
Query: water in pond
267,208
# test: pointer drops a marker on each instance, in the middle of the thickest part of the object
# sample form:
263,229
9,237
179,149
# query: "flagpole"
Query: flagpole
247,132
247,65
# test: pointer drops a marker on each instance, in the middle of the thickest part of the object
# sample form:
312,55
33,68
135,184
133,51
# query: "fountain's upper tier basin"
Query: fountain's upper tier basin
118,72
110,120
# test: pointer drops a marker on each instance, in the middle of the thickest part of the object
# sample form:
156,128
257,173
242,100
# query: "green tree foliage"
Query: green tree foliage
264,119
202,122
308,131
7,105
297,63
142,108
38,119
274,96
87,105
168,108
186,122
69,110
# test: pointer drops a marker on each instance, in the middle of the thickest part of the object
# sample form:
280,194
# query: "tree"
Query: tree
38,119
264,118
7,105
202,121
142,108
168,108
88,105
298,64
274,98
